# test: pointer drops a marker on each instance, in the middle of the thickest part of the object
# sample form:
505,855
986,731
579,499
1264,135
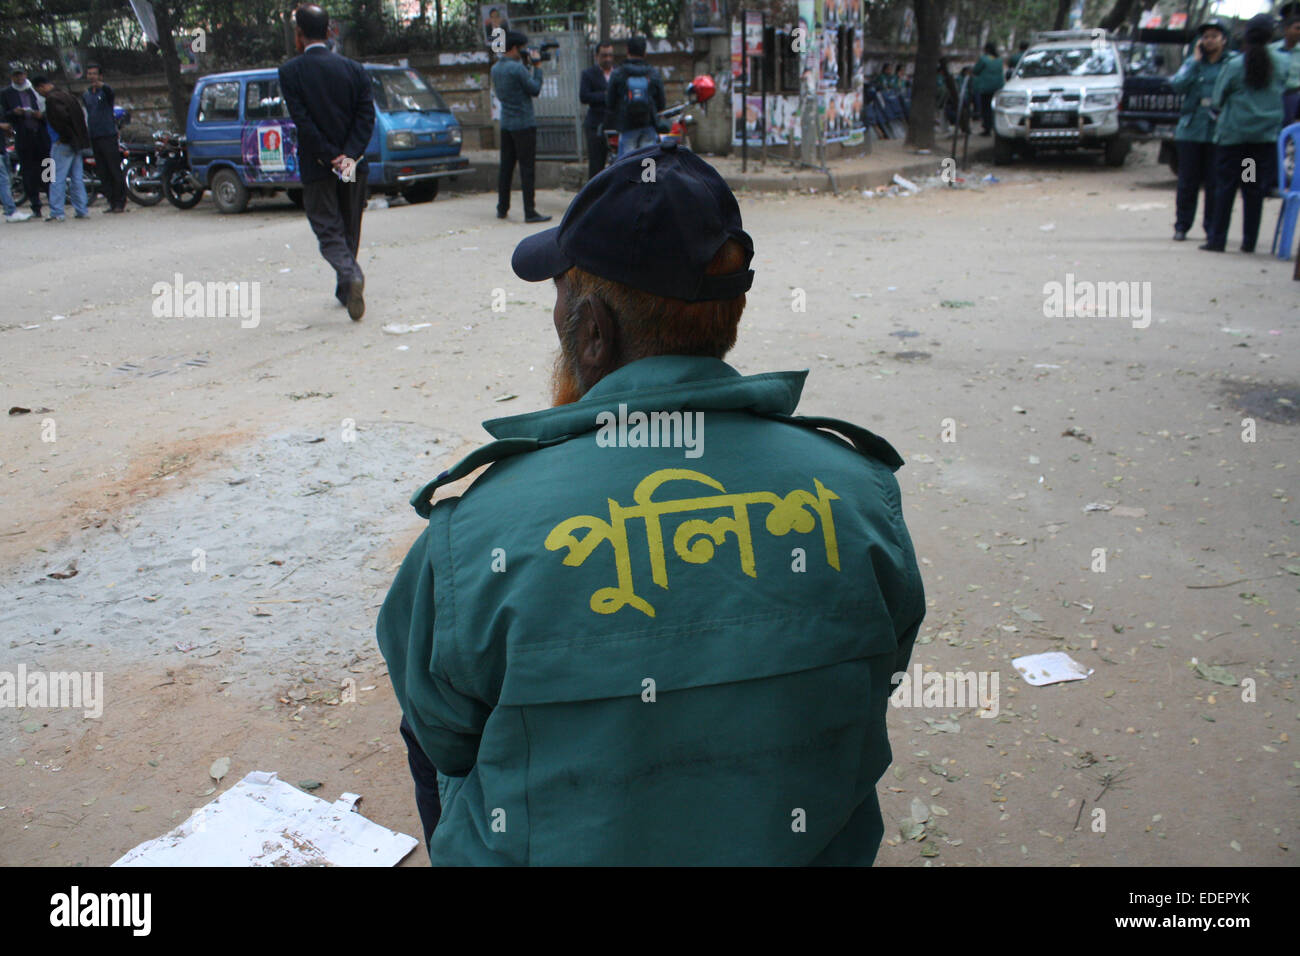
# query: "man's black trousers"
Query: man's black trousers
425,776
517,145
334,210
1196,169
108,161
597,149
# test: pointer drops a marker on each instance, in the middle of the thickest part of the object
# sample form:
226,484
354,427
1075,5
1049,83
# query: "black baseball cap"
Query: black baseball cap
654,233
1212,25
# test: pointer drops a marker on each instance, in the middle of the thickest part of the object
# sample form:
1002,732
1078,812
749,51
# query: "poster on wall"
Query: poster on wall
737,56
747,122
72,60
494,16
708,17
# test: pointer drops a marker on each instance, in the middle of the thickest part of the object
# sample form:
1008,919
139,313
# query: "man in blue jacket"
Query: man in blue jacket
515,85
99,102
331,102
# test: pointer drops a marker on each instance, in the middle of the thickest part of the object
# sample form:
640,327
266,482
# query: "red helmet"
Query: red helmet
702,88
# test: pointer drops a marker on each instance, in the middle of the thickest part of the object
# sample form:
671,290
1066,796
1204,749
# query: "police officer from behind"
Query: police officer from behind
629,642
592,91
1194,136
1248,96
634,99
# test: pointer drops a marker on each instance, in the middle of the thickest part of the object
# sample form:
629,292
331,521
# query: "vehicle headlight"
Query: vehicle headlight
401,139
1101,99
1013,101
456,134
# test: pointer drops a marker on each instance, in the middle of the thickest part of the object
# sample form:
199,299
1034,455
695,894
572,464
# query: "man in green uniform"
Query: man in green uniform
1289,48
987,79
1194,136
661,627
1248,96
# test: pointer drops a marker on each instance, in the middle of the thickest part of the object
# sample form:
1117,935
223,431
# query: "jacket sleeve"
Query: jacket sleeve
363,117
309,135
531,80
614,91
1185,78
447,721
1224,87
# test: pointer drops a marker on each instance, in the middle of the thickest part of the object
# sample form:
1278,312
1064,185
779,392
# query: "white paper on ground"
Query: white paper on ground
263,821
1050,668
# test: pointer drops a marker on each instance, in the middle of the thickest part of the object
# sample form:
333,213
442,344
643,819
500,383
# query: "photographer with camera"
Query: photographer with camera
515,86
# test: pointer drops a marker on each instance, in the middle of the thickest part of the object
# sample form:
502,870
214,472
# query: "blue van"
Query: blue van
243,143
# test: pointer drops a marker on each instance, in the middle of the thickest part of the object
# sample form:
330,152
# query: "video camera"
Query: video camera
543,52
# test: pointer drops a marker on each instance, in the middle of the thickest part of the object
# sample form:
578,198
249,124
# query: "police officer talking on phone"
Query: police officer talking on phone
1194,136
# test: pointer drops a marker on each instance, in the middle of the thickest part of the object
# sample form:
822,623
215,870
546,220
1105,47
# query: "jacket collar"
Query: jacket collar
660,383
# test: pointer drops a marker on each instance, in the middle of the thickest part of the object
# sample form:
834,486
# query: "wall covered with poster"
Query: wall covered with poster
830,68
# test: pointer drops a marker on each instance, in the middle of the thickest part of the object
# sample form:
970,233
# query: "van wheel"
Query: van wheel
1117,148
230,195
1003,150
421,192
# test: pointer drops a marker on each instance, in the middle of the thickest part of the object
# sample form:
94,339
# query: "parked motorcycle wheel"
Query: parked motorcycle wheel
142,186
179,185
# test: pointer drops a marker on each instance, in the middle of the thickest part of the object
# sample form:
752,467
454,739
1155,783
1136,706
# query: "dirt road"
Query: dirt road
233,494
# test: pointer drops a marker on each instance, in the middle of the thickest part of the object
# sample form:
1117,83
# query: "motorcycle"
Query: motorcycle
143,173
179,184
674,122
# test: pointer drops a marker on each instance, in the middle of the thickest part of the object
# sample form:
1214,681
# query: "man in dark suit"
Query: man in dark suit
595,81
329,98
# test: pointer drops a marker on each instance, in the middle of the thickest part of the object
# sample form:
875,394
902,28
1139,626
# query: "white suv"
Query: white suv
1064,94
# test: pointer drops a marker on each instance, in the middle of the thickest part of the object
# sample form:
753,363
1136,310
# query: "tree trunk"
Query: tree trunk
925,81
176,93
1118,14
437,29
290,48
604,20
1062,14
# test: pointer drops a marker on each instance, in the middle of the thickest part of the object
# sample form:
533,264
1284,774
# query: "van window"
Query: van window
396,90
219,102
263,101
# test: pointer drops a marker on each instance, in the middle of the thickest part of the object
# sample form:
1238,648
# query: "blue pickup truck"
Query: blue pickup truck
242,142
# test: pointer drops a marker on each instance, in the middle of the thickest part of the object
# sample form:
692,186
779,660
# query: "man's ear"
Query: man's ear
599,349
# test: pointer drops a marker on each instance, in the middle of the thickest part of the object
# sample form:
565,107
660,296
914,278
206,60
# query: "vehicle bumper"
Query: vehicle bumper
417,170
1092,125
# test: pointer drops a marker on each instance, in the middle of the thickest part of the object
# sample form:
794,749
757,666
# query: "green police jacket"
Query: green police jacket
987,76
659,629
1195,79
1249,115
1292,57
